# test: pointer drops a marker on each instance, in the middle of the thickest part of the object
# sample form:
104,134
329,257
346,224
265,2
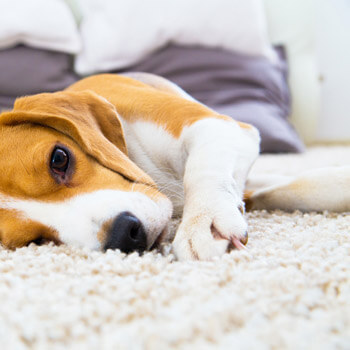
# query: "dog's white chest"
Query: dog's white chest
160,155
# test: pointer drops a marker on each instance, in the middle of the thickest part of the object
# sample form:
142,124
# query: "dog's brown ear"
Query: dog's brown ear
87,118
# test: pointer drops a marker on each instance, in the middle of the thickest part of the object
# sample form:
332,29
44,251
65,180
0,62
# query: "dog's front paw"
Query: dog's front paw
206,233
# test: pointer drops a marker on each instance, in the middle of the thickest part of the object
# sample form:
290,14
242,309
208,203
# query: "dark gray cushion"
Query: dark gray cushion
249,89
26,71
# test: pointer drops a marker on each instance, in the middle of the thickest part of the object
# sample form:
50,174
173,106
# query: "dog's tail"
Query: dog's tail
316,190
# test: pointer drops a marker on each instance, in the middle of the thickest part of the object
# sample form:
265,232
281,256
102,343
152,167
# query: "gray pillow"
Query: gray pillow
26,71
249,89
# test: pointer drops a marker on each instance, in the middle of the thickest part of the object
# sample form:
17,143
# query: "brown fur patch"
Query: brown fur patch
244,125
160,107
16,231
102,234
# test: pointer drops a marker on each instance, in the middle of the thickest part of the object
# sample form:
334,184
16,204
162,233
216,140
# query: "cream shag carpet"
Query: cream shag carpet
289,290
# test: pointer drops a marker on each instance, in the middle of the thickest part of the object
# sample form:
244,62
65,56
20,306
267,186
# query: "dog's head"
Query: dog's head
65,176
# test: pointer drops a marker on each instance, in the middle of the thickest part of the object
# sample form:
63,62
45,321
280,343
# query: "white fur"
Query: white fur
160,155
220,154
78,220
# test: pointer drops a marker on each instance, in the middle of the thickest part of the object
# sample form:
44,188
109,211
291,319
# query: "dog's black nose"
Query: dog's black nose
126,234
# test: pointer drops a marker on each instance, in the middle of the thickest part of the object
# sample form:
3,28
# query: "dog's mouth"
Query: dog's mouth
106,219
134,243
137,240
44,240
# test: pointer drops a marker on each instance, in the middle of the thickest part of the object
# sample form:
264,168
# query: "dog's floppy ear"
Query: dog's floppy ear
87,118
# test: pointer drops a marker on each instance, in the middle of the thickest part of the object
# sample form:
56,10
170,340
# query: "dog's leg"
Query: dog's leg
316,190
220,154
212,156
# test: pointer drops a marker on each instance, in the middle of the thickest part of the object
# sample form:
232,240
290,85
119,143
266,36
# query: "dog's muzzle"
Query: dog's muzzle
127,234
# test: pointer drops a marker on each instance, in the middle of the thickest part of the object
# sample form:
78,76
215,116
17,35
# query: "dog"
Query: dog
107,162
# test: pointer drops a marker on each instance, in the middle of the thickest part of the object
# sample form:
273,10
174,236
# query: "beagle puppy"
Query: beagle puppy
106,163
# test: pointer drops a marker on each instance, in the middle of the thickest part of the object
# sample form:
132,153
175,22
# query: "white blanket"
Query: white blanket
45,24
119,33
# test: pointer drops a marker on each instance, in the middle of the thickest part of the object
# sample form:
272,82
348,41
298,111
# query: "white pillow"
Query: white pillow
46,24
118,33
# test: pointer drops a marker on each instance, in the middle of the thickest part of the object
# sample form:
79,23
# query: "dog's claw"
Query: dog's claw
238,244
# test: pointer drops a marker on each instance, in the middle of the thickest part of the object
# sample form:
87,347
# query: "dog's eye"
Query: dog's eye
59,161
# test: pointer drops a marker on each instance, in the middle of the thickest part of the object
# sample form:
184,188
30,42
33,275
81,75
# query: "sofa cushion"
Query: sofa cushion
26,71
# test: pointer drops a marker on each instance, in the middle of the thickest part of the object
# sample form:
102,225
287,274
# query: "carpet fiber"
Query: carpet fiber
289,290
